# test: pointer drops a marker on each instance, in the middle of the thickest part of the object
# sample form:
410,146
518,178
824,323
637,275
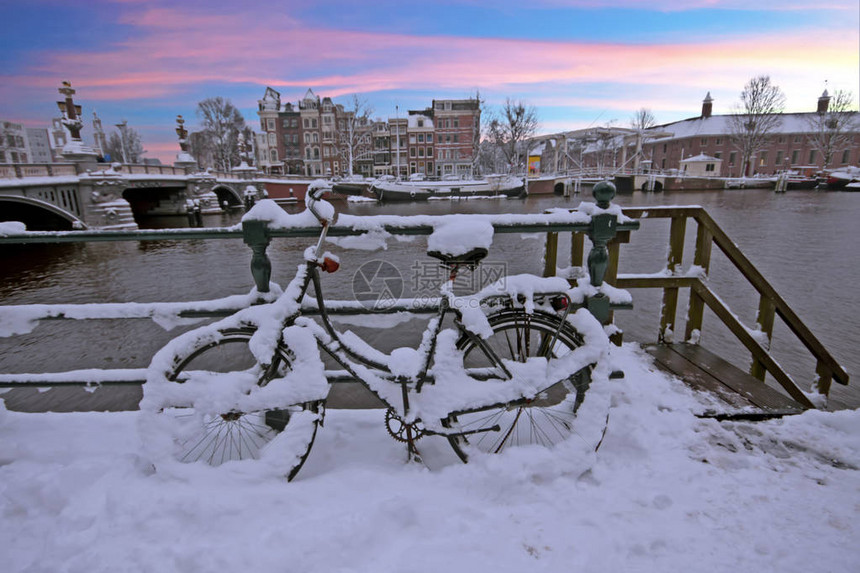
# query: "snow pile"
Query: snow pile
458,237
665,491
12,228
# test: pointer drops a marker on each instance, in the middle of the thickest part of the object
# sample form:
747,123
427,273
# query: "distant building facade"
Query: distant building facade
792,145
316,138
39,145
708,142
458,133
21,144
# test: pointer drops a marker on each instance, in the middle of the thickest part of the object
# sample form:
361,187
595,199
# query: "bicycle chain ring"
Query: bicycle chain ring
398,429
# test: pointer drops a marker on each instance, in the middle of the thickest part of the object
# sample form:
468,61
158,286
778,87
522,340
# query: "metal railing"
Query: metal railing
257,235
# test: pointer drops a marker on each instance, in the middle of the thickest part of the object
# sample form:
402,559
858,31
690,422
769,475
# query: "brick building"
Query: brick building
790,146
457,131
420,134
317,138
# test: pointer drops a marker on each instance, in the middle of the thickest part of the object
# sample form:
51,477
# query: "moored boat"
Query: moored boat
493,186
801,182
352,186
399,191
841,178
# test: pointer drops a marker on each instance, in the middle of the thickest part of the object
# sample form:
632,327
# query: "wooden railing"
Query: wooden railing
771,304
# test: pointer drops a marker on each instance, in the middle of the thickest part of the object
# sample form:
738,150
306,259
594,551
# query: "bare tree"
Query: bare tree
477,161
200,147
508,131
125,145
756,117
246,139
831,131
490,158
641,122
605,147
222,123
354,132
643,119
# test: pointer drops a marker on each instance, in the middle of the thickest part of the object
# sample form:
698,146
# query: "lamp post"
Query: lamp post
397,127
74,150
184,159
71,112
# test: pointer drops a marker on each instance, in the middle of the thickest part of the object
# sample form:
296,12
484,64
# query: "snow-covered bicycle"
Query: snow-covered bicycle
505,366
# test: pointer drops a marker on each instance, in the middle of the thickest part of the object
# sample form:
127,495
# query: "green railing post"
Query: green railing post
256,235
603,229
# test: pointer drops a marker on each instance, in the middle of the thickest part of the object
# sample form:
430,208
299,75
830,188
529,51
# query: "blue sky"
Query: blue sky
579,62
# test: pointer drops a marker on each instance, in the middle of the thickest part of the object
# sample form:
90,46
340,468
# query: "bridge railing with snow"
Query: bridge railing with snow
602,222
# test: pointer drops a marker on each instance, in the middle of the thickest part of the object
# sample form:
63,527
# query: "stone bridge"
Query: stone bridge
62,196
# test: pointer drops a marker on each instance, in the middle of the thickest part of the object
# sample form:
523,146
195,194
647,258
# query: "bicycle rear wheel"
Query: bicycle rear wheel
546,420
216,437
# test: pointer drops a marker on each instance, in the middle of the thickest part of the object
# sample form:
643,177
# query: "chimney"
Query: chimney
707,106
823,102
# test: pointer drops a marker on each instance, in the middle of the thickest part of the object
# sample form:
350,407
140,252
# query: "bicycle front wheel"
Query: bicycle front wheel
217,437
546,420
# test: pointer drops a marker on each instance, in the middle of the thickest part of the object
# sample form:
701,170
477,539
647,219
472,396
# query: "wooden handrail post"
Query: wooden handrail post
577,249
765,319
612,274
696,308
825,377
670,294
550,258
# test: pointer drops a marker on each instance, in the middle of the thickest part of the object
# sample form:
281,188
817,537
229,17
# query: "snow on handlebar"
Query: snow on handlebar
322,210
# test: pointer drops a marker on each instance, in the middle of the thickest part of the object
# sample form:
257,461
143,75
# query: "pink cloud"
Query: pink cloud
174,50
678,6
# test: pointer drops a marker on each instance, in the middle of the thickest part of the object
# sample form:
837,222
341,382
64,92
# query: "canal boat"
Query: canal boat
352,186
841,178
492,186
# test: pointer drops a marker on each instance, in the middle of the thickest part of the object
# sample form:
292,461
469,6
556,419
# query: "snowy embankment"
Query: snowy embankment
665,491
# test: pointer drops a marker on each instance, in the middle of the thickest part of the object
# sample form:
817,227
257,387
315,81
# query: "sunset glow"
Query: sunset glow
579,62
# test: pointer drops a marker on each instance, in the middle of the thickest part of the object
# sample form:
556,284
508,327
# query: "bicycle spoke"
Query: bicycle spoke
544,421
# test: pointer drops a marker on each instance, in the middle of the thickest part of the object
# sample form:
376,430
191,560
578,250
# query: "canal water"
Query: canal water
806,243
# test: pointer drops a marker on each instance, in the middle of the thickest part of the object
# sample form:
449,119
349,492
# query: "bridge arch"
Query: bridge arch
228,195
31,212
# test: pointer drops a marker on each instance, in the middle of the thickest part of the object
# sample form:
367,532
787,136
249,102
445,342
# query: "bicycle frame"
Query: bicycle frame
495,357
354,361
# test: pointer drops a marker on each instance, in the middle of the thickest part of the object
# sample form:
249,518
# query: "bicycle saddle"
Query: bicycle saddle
469,259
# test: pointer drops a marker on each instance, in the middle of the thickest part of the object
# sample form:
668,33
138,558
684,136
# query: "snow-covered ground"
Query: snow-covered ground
665,491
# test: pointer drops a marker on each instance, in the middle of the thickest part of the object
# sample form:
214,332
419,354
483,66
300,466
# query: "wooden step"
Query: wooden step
745,396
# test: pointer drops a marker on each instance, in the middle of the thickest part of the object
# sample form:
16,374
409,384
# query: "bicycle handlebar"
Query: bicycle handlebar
313,196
